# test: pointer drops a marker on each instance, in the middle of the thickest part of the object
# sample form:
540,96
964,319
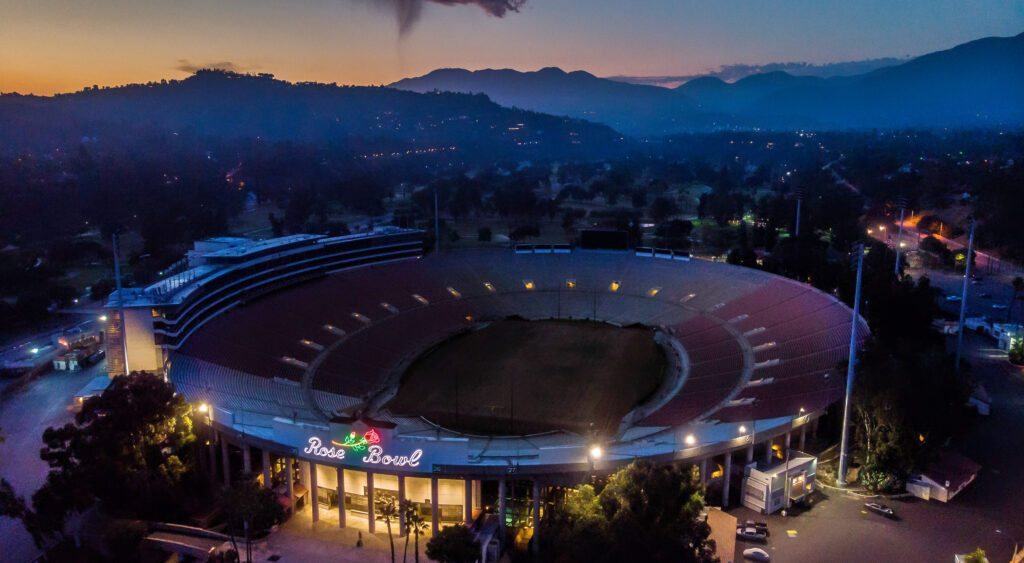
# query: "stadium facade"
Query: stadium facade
291,348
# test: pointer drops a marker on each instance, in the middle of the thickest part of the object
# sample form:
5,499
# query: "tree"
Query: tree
1018,289
388,510
454,544
129,447
248,503
644,513
413,523
976,556
662,208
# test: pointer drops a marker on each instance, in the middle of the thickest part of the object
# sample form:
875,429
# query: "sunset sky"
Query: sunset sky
49,46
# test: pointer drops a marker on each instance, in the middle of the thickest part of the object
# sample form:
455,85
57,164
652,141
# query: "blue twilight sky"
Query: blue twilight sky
51,46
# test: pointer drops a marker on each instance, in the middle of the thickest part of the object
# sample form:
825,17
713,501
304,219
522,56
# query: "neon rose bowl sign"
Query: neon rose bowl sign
369,443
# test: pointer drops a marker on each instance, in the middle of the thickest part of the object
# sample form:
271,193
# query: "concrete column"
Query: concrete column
788,437
268,474
536,515
814,427
401,501
226,461
726,478
246,459
304,473
435,513
501,506
750,454
803,437
341,497
312,493
477,503
291,481
467,503
768,451
211,456
371,510
704,471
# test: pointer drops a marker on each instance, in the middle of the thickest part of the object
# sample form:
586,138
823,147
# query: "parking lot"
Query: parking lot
988,514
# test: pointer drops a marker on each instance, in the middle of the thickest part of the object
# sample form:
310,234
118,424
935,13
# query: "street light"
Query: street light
103,318
595,452
690,440
34,351
203,408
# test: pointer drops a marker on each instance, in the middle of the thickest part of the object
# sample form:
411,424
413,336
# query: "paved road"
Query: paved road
988,514
43,402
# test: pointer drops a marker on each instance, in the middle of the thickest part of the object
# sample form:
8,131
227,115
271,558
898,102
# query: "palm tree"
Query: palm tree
389,511
413,523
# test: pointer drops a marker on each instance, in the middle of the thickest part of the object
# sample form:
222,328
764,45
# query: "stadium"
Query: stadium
344,369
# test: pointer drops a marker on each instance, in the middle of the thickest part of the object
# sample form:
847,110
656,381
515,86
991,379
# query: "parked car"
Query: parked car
750,533
880,509
756,554
759,526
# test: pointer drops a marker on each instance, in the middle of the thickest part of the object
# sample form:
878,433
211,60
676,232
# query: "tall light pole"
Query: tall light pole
799,200
844,445
902,202
437,222
963,298
120,304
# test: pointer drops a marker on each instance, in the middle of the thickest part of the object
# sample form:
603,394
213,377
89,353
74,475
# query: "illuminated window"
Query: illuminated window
421,299
653,291
528,284
570,283
615,285
489,286
454,293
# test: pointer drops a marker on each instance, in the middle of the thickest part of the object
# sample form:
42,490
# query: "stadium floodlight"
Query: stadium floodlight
596,452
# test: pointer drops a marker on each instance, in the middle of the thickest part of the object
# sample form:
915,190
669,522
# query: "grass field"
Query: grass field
522,377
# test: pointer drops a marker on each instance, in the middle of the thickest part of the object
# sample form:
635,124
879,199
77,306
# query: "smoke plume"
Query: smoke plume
408,11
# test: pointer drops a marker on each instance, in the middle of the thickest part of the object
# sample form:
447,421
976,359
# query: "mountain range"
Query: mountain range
976,84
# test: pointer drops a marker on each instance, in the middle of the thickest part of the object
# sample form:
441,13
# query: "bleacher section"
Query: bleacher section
758,345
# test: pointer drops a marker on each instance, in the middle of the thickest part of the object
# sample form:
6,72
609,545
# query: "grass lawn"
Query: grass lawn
521,377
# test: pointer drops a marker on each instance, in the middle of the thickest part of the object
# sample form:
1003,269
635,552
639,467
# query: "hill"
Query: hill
635,109
228,105
977,84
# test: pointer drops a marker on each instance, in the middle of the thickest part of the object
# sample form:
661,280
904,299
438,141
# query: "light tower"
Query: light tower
844,446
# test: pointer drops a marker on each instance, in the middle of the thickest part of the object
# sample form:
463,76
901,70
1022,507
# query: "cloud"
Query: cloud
731,73
408,11
185,65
